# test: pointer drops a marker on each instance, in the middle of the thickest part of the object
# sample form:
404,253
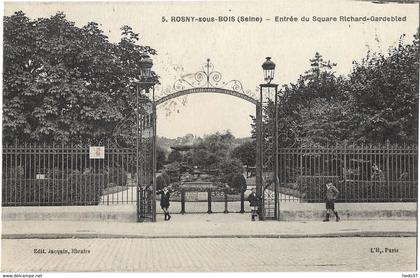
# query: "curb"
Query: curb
116,236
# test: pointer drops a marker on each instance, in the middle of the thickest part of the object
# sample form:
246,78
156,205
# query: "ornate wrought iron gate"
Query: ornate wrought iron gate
267,177
146,162
205,81
210,81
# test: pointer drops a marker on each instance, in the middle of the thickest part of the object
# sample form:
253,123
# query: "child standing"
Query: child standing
330,196
164,201
253,202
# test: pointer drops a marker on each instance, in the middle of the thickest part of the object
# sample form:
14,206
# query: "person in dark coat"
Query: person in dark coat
165,194
331,195
254,201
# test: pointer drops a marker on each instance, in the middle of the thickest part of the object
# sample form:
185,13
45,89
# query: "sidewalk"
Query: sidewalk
231,225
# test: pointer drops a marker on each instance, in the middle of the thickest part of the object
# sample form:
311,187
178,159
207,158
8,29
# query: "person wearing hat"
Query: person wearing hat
330,196
164,201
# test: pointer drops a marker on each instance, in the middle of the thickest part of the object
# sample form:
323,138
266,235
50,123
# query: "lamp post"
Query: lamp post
268,94
146,82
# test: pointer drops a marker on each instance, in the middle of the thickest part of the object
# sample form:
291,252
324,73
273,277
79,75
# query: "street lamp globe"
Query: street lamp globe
146,64
268,68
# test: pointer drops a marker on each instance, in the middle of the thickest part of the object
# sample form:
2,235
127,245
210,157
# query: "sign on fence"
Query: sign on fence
97,152
40,176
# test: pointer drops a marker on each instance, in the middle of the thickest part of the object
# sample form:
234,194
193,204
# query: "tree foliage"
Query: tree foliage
211,155
378,101
311,110
385,90
238,182
228,168
245,153
160,183
174,156
63,83
213,149
160,158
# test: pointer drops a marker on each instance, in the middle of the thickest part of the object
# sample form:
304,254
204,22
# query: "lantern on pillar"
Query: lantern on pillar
145,65
268,69
267,154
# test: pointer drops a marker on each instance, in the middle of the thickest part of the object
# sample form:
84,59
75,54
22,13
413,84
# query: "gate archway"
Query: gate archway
210,90
210,81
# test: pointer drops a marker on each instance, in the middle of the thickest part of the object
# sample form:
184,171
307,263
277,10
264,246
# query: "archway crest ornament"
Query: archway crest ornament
208,80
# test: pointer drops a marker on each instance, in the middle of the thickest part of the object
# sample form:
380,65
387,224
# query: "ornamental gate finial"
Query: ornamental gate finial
209,78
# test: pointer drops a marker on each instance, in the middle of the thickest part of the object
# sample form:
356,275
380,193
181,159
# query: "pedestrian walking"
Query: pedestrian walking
254,201
330,196
165,194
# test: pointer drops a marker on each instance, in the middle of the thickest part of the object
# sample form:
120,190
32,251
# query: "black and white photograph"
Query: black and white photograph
232,137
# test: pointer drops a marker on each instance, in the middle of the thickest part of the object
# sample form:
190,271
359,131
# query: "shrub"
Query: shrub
228,168
166,177
238,183
174,156
160,182
85,189
173,171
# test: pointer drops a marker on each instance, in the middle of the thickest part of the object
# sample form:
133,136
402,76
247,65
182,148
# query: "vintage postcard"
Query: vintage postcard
210,136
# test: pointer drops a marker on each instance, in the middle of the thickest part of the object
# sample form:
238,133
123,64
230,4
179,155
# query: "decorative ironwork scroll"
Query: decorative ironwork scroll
208,80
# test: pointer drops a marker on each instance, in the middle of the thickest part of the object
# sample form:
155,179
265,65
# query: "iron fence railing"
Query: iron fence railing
41,175
66,175
364,173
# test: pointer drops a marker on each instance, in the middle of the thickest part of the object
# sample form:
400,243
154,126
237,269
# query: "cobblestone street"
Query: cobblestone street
210,254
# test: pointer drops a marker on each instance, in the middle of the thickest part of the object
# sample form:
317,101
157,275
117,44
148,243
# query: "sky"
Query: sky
236,50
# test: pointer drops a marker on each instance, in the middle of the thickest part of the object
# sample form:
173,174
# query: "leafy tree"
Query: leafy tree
307,109
209,151
202,157
218,142
228,168
174,156
326,122
63,83
385,89
376,102
213,153
245,153
160,157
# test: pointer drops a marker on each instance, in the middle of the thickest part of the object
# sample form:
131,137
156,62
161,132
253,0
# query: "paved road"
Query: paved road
223,254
